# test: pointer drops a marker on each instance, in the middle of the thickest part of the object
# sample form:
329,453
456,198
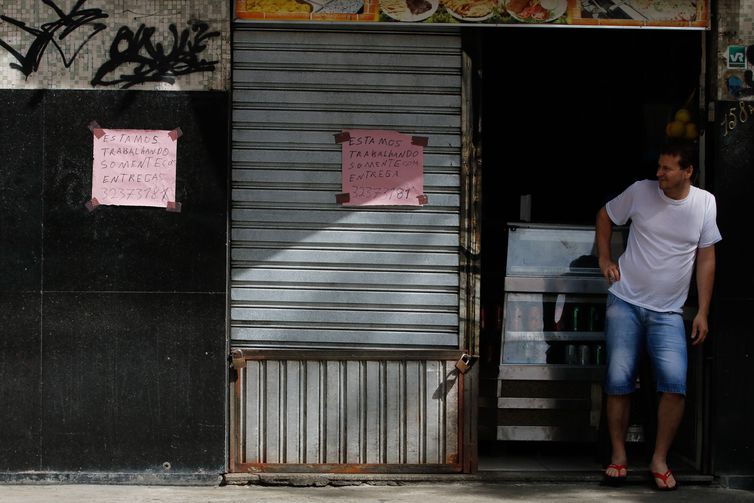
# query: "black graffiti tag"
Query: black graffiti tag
47,34
151,62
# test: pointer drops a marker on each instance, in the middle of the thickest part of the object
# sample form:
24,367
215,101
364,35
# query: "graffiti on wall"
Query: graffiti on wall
54,32
116,51
153,62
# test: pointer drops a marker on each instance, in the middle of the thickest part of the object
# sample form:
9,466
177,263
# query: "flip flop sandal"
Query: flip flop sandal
618,479
664,477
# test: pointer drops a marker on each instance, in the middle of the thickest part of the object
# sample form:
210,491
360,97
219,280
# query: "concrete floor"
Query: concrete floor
463,492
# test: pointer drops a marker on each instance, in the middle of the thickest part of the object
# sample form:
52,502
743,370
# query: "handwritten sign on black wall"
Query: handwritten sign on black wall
134,167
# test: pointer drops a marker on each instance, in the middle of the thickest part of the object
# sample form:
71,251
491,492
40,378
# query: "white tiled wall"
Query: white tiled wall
66,71
735,27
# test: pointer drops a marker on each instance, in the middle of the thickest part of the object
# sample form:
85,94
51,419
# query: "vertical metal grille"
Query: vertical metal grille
303,269
347,412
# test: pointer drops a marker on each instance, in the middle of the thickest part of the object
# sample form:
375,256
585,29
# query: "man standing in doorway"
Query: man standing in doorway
672,228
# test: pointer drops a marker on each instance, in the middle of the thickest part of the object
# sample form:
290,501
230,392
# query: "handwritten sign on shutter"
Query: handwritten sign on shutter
382,168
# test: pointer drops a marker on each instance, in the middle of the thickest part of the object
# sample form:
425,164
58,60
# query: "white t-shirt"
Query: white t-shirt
656,268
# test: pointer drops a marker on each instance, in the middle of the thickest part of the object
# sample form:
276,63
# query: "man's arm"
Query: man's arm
604,234
705,279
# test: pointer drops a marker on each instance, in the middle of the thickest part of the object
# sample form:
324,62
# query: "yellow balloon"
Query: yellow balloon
675,129
683,115
691,132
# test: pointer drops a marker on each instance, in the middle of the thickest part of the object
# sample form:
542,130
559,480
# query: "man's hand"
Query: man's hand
699,329
603,233
705,277
610,270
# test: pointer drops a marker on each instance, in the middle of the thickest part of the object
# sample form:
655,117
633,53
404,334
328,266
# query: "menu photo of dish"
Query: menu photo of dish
409,10
646,11
536,11
471,10
336,6
299,9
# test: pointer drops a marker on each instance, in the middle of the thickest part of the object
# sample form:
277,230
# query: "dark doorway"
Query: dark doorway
569,118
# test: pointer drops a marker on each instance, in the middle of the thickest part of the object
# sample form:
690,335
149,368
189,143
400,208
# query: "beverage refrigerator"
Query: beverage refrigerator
552,342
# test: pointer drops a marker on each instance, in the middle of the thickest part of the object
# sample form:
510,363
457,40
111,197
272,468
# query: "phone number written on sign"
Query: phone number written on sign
156,194
389,193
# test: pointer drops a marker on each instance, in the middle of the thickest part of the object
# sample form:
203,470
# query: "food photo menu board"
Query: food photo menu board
670,13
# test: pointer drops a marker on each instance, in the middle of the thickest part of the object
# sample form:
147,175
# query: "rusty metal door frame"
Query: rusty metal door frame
470,238
468,314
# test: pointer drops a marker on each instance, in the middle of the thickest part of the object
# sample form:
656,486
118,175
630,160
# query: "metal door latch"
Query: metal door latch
465,362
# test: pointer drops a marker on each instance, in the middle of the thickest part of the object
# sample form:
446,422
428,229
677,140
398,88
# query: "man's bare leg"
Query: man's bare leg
618,412
669,415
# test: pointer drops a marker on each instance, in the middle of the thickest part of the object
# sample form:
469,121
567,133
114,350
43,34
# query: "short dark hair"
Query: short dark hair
686,151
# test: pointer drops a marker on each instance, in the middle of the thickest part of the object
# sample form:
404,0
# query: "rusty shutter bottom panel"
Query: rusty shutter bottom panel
346,415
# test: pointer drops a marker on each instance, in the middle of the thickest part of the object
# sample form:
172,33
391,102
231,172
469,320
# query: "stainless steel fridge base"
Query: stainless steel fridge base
546,433
550,372
635,434
554,336
543,403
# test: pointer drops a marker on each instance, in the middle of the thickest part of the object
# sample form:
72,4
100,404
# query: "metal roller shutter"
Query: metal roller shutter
304,270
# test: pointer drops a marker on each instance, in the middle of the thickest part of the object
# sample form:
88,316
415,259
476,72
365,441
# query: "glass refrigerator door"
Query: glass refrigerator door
553,328
552,251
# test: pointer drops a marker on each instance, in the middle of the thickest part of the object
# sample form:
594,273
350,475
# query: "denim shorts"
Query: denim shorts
628,330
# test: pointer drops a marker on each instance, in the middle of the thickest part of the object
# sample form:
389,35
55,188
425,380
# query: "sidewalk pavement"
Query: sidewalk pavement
380,492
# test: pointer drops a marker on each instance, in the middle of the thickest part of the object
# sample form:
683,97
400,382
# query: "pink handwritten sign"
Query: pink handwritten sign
134,167
382,168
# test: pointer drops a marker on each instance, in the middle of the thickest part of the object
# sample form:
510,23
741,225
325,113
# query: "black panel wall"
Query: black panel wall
20,280
732,331
112,353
